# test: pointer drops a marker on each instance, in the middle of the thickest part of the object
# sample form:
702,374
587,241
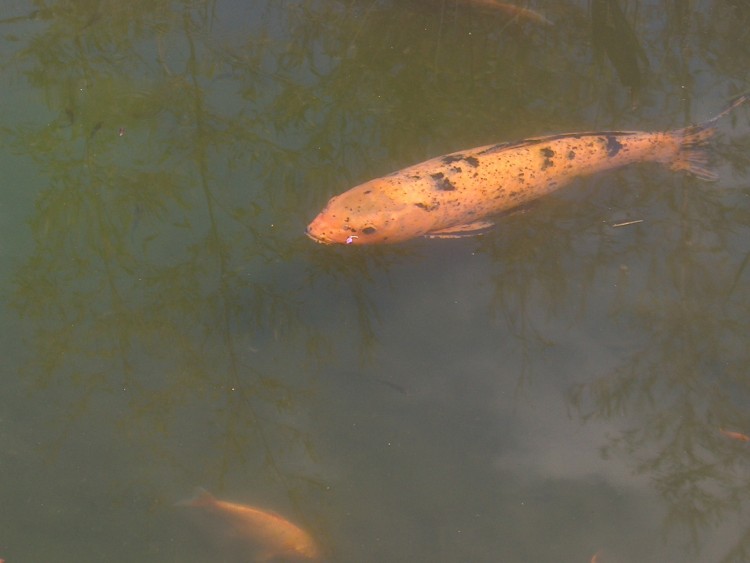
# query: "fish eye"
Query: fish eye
369,230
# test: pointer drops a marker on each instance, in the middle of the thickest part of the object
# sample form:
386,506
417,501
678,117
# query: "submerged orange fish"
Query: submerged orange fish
510,10
455,194
735,435
274,536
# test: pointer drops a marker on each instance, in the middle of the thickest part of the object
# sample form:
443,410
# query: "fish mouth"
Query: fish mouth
320,239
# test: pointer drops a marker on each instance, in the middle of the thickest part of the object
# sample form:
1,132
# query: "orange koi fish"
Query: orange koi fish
510,10
274,536
455,194
735,435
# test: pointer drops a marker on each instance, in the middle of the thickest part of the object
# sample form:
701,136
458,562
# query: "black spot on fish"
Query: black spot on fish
571,155
456,169
368,192
613,145
547,153
427,207
451,158
442,183
446,185
368,230
472,161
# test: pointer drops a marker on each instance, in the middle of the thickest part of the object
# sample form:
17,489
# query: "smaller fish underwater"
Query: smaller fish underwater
457,194
509,10
269,537
739,436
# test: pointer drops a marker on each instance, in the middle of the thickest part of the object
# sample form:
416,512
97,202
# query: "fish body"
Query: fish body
739,436
510,10
274,536
456,194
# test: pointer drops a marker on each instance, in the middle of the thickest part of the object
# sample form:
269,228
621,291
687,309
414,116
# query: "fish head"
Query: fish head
369,214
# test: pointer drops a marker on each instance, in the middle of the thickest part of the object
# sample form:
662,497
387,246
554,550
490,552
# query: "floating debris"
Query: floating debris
626,223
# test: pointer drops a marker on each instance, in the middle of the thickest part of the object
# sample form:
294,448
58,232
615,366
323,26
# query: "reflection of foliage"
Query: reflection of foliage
154,275
687,378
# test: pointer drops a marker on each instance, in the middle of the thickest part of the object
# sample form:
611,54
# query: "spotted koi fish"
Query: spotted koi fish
457,194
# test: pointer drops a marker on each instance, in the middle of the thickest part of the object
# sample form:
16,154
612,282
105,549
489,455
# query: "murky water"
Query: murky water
548,391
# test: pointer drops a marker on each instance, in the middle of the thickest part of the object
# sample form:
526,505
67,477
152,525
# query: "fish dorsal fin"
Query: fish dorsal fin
461,231
547,138
201,498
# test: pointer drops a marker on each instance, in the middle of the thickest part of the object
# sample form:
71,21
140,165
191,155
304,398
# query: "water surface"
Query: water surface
550,390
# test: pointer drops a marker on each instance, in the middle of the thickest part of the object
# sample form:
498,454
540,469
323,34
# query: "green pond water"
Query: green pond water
550,390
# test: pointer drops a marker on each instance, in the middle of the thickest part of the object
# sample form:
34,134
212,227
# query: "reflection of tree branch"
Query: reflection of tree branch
239,395
676,384
115,272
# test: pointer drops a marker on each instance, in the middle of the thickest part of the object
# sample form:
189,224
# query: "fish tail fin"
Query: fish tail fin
694,154
201,498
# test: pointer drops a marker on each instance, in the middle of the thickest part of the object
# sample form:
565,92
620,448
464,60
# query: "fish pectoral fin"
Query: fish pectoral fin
459,231
693,155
